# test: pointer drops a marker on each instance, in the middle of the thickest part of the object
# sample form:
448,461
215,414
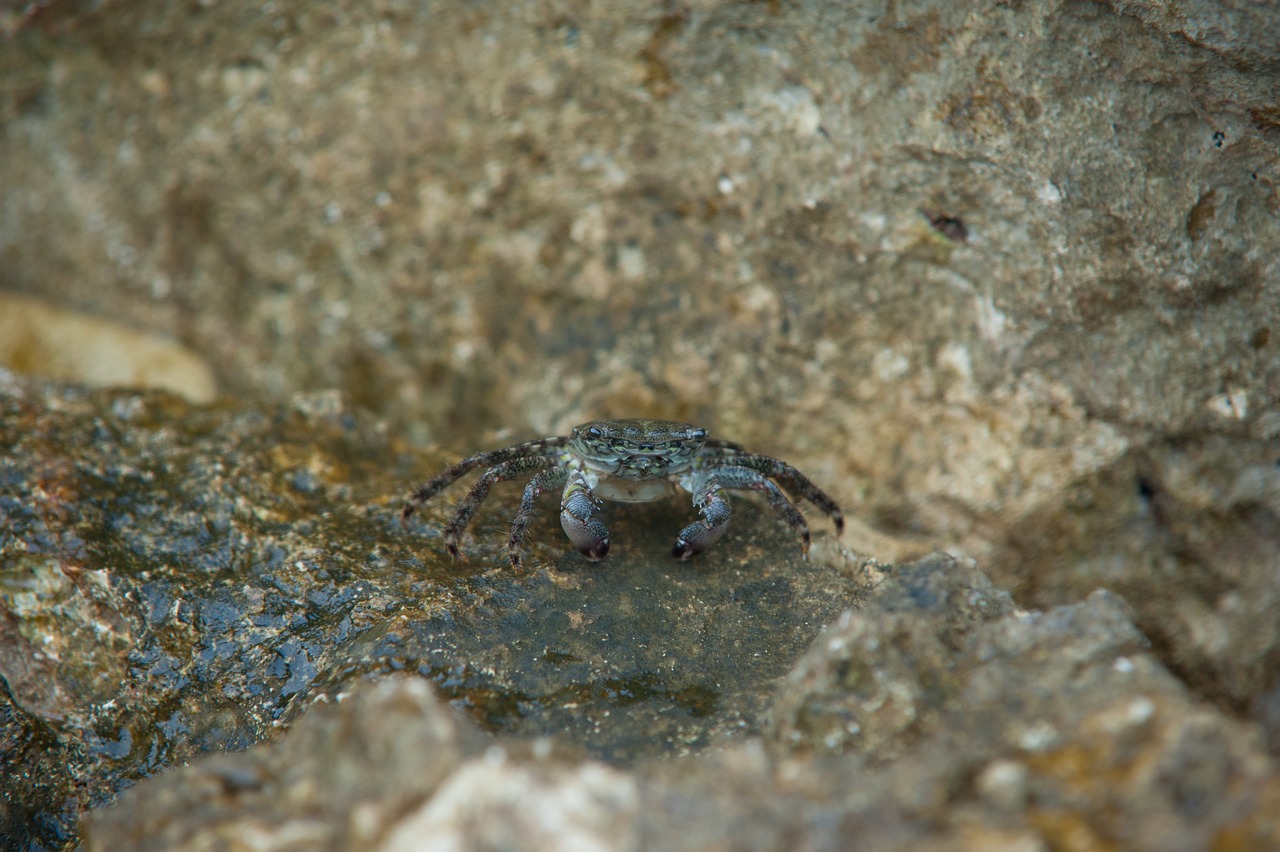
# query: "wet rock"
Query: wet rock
169,589
1010,300
1037,729
842,239
341,774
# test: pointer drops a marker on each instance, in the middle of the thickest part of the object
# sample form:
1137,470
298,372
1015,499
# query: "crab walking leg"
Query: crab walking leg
548,480
795,482
444,479
577,509
750,480
713,503
499,472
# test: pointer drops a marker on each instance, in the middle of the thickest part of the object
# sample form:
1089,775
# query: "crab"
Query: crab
629,461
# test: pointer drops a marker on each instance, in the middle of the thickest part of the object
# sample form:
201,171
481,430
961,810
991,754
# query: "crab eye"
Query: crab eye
697,434
595,431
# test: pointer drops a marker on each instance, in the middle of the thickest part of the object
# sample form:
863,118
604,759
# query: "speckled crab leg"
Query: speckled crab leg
713,504
577,517
795,482
750,480
549,480
541,448
499,472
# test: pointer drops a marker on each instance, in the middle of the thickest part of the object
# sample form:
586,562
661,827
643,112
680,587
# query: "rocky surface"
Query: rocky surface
180,580
1004,276
938,716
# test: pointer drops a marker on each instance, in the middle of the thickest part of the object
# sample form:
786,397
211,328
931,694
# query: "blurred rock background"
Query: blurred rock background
1005,276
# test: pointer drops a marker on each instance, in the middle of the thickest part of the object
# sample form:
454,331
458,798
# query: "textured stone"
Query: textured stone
1003,276
966,723
178,580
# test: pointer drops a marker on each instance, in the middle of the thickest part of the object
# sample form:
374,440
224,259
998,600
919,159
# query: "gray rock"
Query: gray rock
170,590
936,716
341,773
1004,277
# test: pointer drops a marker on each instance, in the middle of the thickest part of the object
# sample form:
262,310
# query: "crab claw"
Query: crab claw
587,534
577,516
595,554
696,538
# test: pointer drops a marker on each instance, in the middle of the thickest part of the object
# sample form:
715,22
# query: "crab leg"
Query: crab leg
433,486
747,479
499,472
577,509
793,480
713,504
547,480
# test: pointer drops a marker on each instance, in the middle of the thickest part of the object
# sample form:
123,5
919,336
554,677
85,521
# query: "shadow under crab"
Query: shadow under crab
629,461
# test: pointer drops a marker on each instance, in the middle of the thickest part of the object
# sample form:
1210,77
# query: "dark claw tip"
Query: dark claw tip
453,549
839,525
595,554
682,550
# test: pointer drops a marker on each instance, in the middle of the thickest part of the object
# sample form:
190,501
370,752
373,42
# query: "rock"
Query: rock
1008,300
875,682
530,805
989,287
1189,535
179,580
45,340
1028,729
342,771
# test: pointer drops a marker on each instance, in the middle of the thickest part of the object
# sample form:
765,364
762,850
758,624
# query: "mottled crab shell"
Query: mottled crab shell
637,449
630,460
